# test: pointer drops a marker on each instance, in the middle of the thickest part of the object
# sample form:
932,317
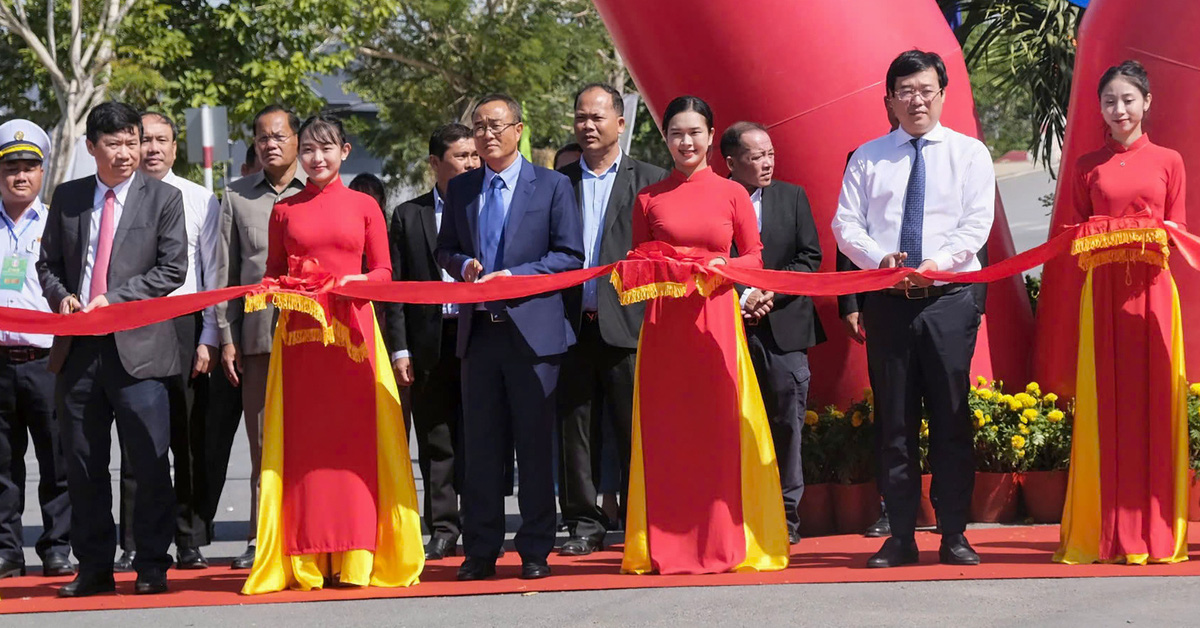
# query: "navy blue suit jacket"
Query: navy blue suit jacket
542,235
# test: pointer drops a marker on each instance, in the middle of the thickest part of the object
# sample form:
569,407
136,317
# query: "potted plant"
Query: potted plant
926,515
851,443
1193,413
1044,479
816,504
1000,450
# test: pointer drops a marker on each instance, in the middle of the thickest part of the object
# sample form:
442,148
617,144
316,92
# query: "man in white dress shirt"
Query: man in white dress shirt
197,333
922,196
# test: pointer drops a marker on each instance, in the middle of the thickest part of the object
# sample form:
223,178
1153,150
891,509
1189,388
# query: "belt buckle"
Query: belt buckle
591,316
495,318
751,322
913,296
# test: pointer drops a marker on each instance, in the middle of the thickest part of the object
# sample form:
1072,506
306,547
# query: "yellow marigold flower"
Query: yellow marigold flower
1026,400
1018,441
994,428
1033,388
987,418
982,381
1023,419
838,414
1055,416
979,414
979,423
1050,398
811,417
1020,453
984,394
1023,429
1015,405
1194,389
857,419
1030,414
869,395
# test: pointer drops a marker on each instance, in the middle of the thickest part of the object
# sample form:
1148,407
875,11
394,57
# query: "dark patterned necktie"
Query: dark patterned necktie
914,208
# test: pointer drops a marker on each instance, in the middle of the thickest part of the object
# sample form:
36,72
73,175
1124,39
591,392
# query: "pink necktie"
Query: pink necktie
104,244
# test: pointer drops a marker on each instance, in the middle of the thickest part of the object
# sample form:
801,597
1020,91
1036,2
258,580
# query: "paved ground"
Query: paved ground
1090,602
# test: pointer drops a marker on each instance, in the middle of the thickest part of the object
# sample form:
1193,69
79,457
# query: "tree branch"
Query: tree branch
456,80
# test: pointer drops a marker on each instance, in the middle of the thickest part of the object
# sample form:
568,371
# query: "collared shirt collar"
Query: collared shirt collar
587,172
756,197
121,190
438,203
509,175
34,212
936,134
298,180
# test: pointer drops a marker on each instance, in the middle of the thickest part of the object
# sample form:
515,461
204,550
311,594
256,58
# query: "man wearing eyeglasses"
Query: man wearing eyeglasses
246,337
508,218
923,197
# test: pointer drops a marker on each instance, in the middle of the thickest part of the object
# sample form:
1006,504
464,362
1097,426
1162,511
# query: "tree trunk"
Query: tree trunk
63,138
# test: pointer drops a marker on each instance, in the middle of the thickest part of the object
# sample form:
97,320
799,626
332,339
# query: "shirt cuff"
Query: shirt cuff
943,260
396,355
209,336
462,272
745,295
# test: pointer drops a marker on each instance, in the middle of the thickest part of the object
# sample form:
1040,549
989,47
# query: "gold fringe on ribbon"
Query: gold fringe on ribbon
337,335
646,292
256,302
1111,239
707,284
1089,261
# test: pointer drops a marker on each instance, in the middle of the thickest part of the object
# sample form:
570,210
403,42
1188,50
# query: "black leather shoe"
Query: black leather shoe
579,546
10,568
476,569
88,584
438,548
245,561
955,550
880,528
534,569
895,552
57,564
124,564
151,582
191,558
794,537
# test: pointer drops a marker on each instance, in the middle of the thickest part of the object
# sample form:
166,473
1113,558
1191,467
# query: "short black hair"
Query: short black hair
169,122
1131,71
683,104
370,185
514,107
112,117
446,135
324,128
293,119
912,61
573,147
251,154
731,139
618,102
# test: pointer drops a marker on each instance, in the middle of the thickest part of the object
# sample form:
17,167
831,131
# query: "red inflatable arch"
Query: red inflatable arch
813,72
1163,36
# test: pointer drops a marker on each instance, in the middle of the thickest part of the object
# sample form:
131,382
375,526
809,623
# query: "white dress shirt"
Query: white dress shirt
756,200
449,310
960,199
23,239
122,192
202,219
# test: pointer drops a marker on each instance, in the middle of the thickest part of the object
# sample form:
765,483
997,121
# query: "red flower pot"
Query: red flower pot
995,498
926,517
1193,497
816,510
855,506
1044,494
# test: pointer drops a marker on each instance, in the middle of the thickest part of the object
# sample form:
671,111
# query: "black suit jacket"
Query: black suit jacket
413,238
149,259
790,242
619,325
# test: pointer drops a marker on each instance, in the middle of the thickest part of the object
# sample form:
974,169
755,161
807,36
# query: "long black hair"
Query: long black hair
1131,71
683,104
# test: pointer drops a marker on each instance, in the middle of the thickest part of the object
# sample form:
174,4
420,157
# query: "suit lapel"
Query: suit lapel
622,193
473,213
85,223
133,204
520,200
429,222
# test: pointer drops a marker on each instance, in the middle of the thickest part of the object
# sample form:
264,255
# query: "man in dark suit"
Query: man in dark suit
779,328
112,238
508,218
597,375
421,338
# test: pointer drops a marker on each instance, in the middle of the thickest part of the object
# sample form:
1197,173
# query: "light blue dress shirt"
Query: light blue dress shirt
594,192
24,240
510,176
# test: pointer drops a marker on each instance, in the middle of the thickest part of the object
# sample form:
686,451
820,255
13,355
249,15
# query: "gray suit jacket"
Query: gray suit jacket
149,259
242,259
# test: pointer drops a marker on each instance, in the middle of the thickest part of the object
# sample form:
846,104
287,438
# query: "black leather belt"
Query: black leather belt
489,317
930,292
21,355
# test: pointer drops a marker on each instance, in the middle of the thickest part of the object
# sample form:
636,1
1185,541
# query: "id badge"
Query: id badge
12,274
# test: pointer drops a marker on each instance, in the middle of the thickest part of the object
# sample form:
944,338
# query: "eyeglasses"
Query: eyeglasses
909,95
495,128
263,140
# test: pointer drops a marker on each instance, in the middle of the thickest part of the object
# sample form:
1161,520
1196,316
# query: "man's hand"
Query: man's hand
203,362
926,266
758,304
854,327
97,303
404,371
895,260
493,275
69,305
472,270
231,363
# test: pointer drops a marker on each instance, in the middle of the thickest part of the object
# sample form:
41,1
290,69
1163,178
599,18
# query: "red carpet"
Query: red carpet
1007,552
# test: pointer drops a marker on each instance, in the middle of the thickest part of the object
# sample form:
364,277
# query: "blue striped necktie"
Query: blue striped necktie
491,224
912,225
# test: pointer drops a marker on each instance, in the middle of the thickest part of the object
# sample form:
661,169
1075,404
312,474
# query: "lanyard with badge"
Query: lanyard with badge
16,263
